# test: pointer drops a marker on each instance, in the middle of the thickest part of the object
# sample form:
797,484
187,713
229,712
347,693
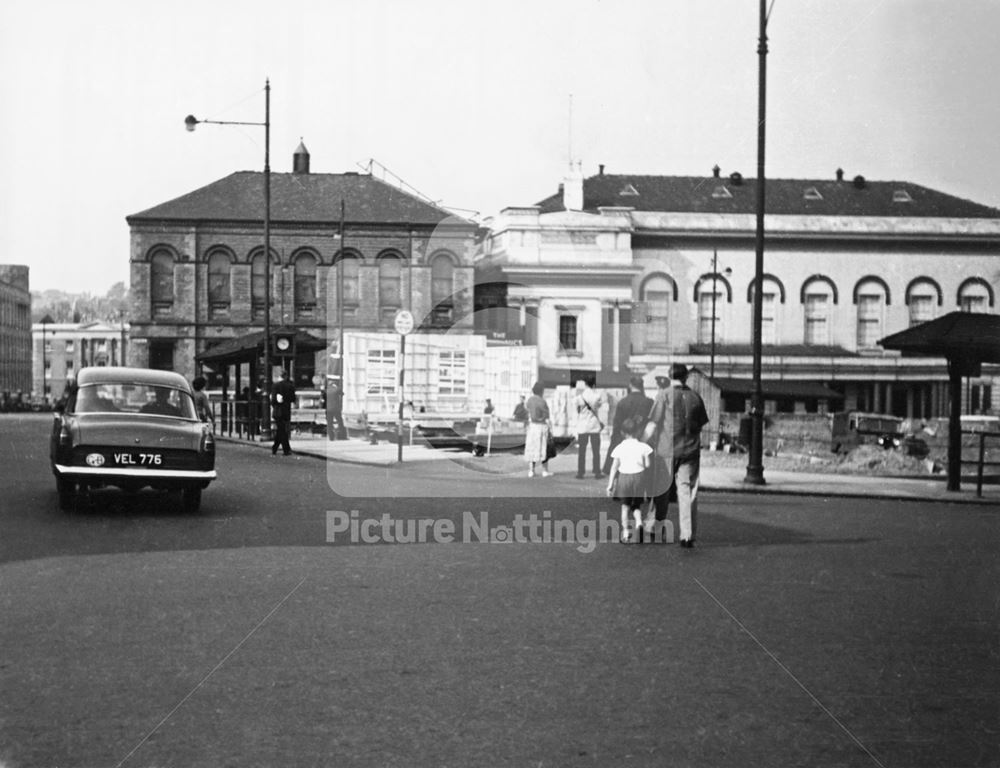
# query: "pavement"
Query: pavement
417,459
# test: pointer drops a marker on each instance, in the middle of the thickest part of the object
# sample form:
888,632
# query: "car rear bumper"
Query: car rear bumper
108,474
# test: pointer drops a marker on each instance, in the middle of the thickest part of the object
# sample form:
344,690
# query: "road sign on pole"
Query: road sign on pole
403,322
404,325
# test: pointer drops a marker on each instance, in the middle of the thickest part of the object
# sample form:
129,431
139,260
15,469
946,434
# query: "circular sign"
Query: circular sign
404,322
283,343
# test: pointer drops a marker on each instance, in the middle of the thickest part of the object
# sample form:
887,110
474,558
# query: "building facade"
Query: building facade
60,350
15,330
621,273
348,251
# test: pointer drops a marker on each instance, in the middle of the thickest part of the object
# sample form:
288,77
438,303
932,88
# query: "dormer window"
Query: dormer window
629,191
901,196
812,194
721,193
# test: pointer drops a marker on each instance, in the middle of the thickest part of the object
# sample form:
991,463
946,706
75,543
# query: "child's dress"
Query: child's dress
630,485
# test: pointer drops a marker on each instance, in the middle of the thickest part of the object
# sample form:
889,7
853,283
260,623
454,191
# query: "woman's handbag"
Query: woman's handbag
550,446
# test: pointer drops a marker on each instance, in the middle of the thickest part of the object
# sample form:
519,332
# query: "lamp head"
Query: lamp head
190,122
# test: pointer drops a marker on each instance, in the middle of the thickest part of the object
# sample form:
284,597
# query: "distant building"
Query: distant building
198,270
620,274
15,330
68,347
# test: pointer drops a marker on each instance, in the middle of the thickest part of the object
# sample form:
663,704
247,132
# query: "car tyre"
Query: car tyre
191,499
67,494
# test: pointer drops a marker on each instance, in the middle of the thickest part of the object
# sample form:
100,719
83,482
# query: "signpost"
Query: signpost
404,325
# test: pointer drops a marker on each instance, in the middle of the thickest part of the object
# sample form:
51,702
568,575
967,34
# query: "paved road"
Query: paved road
799,632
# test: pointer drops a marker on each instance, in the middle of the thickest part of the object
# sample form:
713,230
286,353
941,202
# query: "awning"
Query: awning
964,336
774,389
250,346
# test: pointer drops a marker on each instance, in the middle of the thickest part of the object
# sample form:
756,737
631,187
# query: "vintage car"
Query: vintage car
131,428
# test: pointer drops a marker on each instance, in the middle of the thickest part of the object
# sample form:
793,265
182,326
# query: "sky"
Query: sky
477,105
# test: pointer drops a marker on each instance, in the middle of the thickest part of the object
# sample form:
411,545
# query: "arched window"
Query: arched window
711,292
871,297
657,293
161,282
348,270
442,276
923,295
305,285
219,296
442,287
975,295
818,297
258,283
772,295
389,273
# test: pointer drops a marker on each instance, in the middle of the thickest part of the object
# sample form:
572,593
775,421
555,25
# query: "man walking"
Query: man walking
282,397
678,415
635,406
588,427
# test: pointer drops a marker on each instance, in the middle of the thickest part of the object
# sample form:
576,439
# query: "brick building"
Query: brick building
628,273
198,271
15,330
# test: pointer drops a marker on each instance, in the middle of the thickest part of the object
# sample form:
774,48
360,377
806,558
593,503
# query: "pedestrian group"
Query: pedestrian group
654,456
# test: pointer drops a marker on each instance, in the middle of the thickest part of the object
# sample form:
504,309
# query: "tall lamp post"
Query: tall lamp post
189,123
121,350
755,466
45,321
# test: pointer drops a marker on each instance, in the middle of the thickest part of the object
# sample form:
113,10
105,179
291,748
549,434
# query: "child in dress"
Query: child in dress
630,459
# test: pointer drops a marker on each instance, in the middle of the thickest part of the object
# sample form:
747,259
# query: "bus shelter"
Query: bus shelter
239,363
966,340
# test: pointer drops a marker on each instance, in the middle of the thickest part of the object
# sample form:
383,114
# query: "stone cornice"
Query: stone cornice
903,227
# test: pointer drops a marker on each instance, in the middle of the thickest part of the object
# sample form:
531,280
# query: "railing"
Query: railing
980,460
241,418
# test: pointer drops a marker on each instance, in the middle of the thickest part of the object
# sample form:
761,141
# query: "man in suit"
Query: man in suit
635,406
282,398
676,421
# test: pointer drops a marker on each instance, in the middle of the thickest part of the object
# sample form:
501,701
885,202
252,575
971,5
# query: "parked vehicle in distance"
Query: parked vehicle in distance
131,428
853,428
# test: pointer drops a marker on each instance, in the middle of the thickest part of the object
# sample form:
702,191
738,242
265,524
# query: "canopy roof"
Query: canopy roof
775,388
242,349
968,336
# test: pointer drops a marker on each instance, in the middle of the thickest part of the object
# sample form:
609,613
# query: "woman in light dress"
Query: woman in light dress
536,442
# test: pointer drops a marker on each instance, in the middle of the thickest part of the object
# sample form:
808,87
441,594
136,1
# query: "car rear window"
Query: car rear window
134,398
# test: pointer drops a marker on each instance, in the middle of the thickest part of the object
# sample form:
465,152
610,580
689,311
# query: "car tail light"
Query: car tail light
65,438
207,442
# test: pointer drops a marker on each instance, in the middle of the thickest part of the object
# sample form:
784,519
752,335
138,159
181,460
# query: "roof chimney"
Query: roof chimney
716,170
840,174
300,160
600,169
573,188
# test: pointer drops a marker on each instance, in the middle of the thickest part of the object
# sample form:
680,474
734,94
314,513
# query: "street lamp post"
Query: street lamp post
755,466
121,349
45,321
189,123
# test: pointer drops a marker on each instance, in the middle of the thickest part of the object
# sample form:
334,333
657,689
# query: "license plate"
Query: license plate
138,459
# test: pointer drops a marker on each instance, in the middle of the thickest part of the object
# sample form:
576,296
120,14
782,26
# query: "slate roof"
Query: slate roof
709,194
299,198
